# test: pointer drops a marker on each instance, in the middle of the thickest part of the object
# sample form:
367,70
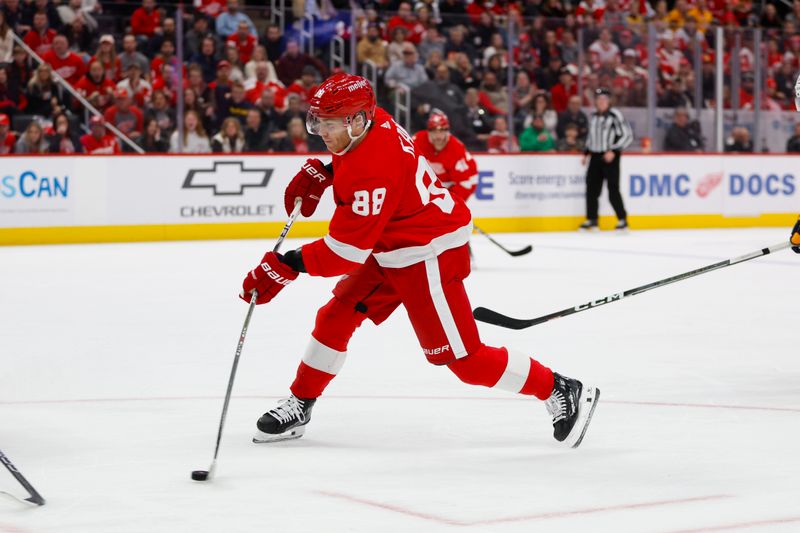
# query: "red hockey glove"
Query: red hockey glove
308,184
795,239
268,279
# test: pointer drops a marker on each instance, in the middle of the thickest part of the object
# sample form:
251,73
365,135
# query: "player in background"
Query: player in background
401,238
797,93
448,157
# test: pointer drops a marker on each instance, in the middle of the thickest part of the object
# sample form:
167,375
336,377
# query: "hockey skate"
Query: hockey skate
571,405
285,422
589,225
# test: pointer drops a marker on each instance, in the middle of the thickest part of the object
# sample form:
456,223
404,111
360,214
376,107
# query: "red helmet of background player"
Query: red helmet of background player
438,121
343,96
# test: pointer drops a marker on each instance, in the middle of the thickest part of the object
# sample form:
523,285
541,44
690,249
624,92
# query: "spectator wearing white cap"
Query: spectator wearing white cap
630,68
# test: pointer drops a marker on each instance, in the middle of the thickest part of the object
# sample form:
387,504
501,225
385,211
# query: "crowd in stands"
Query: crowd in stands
244,82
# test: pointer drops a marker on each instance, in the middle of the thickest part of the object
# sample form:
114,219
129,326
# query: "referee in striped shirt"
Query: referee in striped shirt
609,133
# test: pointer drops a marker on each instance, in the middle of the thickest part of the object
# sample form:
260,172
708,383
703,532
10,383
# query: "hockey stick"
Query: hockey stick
514,253
493,317
34,497
203,475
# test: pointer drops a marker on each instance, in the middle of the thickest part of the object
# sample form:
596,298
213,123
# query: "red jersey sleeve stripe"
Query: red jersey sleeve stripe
320,260
346,251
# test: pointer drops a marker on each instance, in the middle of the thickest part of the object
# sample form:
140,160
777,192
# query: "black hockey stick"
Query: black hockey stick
203,475
493,317
515,253
33,496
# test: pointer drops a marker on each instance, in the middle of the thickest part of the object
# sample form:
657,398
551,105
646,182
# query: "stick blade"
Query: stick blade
36,499
528,249
483,314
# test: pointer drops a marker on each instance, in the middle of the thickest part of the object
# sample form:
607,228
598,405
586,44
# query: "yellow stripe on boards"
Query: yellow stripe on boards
304,229
526,224
157,232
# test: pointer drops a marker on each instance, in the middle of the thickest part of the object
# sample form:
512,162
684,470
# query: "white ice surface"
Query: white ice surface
114,360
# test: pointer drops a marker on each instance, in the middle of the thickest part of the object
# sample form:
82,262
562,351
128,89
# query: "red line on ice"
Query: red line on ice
742,525
523,518
420,398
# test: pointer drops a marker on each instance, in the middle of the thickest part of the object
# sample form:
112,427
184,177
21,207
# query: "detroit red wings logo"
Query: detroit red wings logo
708,184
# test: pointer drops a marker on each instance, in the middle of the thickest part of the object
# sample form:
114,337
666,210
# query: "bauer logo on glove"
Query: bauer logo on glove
314,173
267,279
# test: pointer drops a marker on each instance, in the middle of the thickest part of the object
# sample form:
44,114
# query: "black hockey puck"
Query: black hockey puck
200,475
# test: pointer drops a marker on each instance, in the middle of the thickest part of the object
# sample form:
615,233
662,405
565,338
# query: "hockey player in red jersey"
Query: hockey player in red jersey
402,239
448,157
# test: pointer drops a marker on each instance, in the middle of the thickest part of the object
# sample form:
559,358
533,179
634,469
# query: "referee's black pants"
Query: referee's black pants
598,171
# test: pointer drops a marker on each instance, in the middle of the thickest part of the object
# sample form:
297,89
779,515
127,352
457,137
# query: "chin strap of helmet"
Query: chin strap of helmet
353,139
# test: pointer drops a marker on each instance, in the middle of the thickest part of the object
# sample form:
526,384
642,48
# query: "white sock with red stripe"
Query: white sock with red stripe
319,366
504,369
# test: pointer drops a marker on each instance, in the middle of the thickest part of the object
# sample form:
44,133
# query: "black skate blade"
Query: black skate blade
267,438
585,426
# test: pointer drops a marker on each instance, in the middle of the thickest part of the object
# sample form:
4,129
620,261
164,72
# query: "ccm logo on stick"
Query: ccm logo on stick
601,301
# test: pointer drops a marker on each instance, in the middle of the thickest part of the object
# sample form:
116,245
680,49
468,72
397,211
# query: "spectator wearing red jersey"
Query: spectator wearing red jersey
95,87
146,21
211,8
68,65
166,56
244,41
138,87
7,137
305,87
500,140
98,141
167,83
125,116
590,9
256,87
291,64
406,18
40,38
563,90
107,56
668,56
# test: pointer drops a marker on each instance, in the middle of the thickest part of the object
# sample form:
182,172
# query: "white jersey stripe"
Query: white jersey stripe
346,251
516,372
443,308
403,257
322,358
